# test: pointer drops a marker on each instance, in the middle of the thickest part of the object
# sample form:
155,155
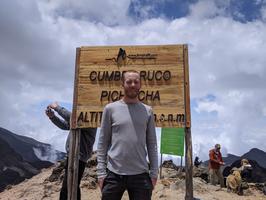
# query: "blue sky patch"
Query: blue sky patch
240,10
170,9
245,10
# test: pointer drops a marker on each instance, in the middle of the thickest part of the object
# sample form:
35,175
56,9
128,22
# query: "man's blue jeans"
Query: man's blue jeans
139,186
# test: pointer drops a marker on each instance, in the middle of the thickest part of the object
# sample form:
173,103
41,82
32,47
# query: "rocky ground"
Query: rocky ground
46,186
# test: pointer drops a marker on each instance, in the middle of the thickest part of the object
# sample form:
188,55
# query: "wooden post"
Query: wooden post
189,166
188,140
76,164
73,159
73,164
70,165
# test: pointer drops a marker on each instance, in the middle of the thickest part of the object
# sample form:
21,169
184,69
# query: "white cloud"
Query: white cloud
106,11
257,2
263,12
227,60
206,106
205,9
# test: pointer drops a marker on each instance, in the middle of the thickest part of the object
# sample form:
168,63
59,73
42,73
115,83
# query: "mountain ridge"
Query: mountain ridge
19,160
25,146
253,154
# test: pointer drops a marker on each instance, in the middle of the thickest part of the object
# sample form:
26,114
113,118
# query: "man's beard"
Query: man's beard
131,94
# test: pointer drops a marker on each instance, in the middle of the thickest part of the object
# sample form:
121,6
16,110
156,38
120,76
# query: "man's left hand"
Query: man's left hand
53,105
49,112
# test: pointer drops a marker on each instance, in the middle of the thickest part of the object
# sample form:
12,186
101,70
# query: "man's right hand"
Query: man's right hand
100,182
49,112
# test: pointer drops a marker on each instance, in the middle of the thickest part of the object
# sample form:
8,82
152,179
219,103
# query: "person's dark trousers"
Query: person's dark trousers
63,192
139,186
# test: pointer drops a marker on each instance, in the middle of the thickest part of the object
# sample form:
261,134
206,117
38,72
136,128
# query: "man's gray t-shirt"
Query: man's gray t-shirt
127,136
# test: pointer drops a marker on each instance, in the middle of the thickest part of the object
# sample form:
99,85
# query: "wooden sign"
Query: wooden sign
164,82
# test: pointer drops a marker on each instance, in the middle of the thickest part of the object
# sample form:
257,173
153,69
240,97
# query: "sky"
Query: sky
227,58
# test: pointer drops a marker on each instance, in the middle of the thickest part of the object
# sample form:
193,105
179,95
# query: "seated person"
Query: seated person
246,169
197,162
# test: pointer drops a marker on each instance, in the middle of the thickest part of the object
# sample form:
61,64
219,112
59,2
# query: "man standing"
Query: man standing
127,135
87,138
215,164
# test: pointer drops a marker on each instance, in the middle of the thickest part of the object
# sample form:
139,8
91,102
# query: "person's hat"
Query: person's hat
217,146
244,161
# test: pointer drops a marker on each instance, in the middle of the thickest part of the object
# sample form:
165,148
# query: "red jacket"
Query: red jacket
215,159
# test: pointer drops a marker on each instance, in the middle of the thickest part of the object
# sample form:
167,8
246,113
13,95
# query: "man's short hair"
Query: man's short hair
128,71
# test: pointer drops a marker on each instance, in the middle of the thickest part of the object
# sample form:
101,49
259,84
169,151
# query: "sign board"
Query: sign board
172,141
164,82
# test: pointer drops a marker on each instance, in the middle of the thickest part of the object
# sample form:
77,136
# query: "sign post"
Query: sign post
164,77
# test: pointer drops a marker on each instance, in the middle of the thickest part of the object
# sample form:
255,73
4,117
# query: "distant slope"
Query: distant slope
13,169
254,154
31,150
257,155
23,157
230,158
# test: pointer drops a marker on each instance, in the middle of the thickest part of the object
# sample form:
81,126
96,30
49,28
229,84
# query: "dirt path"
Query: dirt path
37,188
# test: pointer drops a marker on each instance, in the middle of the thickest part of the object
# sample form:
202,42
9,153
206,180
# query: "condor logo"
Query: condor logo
123,59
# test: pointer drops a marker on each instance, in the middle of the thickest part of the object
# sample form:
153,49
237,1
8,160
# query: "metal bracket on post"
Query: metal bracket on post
161,166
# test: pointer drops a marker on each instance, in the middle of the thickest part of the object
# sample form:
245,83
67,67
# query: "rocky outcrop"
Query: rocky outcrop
258,173
89,178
